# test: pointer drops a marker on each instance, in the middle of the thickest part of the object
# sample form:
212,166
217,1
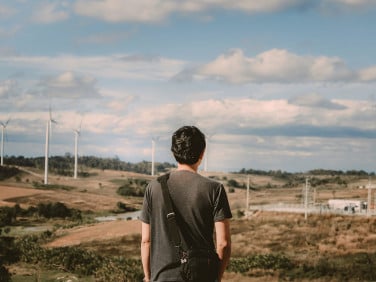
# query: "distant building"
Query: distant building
347,205
372,186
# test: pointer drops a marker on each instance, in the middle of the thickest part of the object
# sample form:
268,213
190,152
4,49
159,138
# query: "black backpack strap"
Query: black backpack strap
171,217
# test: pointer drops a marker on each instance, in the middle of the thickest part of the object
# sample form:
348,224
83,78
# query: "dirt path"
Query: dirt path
7,193
100,231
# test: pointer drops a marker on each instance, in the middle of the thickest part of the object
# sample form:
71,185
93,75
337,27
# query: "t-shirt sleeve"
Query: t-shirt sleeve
146,206
222,207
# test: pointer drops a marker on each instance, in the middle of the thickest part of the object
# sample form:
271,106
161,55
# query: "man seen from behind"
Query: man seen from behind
200,205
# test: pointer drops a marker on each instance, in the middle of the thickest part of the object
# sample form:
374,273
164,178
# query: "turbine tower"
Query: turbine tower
153,141
3,126
207,138
48,135
77,133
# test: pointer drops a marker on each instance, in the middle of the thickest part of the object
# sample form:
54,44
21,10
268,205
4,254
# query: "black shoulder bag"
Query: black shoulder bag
199,265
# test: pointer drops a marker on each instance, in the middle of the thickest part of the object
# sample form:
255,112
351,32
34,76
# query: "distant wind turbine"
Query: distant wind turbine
208,138
77,133
48,135
153,141
3,126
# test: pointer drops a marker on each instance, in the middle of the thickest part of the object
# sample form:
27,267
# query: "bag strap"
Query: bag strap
171,217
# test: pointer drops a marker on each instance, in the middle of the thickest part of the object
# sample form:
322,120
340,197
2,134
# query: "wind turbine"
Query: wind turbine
3,126
77,133
208,138
153,141
48,135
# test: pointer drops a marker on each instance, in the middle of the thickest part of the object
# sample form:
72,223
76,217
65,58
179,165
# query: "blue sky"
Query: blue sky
279,84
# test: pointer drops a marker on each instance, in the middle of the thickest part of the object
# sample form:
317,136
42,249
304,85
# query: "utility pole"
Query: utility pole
247,200
369,200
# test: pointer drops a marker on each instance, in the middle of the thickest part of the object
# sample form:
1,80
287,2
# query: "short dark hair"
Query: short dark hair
187,144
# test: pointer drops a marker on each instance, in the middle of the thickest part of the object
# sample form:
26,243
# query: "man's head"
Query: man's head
188,144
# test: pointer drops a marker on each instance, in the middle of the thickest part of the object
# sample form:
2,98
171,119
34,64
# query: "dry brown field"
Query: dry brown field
261,232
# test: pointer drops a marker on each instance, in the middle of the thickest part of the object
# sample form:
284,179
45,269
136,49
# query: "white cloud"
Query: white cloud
278,65
121,104
7,88
244,131
315,100
118,10
353,3
368,74
6,11
50,12
70,85
151,11
158,10
245,117
273,66
117,66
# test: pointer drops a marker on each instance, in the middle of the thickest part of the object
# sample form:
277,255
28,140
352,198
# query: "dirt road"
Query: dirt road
100,231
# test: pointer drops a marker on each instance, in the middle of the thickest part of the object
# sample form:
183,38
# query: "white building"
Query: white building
347,205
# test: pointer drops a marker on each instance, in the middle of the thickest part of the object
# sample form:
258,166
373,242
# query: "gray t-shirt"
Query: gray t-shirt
198,202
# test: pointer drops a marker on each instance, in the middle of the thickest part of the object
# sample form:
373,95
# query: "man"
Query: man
200,205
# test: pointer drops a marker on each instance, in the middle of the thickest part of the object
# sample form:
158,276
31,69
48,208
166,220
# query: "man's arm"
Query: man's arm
223,239
145,249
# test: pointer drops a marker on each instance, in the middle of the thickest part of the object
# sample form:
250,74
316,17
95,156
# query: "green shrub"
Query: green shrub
131,190
7,216
263,261
53,210
4,274
8,172
8,252
240,213
119,269
234,183
78,260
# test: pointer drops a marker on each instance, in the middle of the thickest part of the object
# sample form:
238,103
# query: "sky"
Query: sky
274,85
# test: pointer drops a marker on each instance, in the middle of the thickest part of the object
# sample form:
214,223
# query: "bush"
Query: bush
134,189
240,213
121,207
79,261
8,251
8,172
120,269
53,210
234,183
263,261
4,274
7,216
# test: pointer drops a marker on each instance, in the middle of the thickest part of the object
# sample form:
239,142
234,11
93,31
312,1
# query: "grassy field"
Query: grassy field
267,246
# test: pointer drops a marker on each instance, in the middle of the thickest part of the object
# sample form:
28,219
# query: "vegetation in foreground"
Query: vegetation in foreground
267,247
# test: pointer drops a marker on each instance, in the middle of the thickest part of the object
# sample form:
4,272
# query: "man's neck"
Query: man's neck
192,168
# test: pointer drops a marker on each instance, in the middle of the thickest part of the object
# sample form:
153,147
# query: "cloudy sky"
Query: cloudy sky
277,84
